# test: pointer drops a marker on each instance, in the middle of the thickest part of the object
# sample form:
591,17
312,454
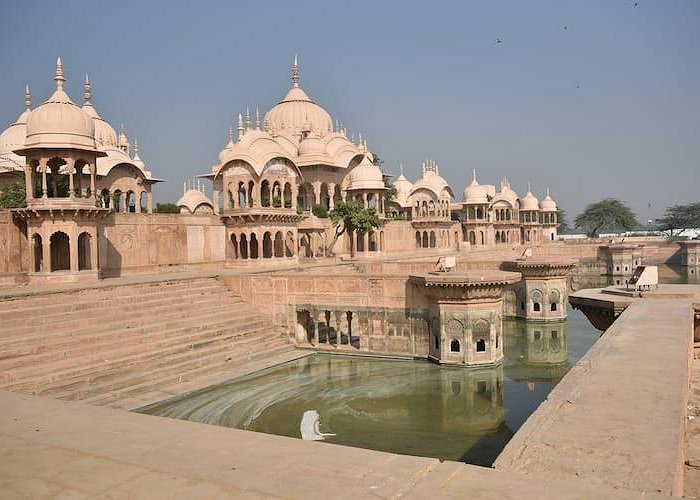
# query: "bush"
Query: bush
166,208
13,196
276,202
320,211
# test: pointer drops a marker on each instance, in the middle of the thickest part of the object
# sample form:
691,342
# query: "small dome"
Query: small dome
296,112
475,193
312,145
366,175
529,202
506,194
432,181
14,136
59,123
403,189
192,199
548,204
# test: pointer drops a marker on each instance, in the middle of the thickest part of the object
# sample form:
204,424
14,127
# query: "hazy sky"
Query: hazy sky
590,98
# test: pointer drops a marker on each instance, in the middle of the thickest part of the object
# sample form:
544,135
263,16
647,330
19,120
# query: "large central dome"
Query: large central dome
296,113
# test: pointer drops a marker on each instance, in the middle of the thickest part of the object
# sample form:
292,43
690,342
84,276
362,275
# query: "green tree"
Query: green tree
678,218
390,190
352,217
319,211
13,195
166,208
562,222
608,215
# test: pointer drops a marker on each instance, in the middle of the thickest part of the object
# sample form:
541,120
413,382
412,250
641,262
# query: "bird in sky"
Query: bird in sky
564,28
498,40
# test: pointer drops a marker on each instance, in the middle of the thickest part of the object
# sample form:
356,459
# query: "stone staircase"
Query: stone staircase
115,345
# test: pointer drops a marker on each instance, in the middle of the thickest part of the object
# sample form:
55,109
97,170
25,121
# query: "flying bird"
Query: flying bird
564,28
498,40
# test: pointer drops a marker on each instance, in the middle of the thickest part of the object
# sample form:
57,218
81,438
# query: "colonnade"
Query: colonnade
336,328
43,187
433,239
273,244
423,209
62,250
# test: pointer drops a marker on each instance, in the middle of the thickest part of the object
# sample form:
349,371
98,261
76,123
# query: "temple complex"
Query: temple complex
271,187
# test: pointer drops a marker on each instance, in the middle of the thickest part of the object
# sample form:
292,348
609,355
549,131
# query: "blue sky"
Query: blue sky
608,106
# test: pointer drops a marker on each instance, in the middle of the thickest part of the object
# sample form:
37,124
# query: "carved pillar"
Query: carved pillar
149,195
29,182
317,192
215,201
44,184
331,195
73,247
364,200
93,175
46,251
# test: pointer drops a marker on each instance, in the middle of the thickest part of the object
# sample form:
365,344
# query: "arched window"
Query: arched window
418,240
60,251
437,342
105,198
432,239
279,245
84,251
254,251
481,345
454,345
426,243
234,246
289,245
244,246
472,237
38,252
480,331
553,306
536,306
267,245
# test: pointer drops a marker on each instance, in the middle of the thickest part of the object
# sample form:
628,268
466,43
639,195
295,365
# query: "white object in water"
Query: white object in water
310,427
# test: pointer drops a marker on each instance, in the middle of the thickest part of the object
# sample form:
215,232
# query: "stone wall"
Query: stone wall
141,243
14,256
383,322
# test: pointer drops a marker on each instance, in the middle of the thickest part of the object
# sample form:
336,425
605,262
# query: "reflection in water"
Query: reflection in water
401,406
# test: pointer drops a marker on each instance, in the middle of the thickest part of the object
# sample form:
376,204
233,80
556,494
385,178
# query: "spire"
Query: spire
27,97
359,144
87,90
528,187
247,118
295,71
59,75
257,118
474,176
230,137
136,149
400,168
184,187
241,130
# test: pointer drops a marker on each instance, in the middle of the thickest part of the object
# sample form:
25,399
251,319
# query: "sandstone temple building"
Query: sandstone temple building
89,210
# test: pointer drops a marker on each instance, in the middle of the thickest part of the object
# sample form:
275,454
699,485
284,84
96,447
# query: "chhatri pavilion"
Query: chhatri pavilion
90,206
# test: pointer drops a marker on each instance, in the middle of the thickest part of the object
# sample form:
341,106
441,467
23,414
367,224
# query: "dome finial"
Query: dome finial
528,187
473,175
257,118
248,123
547,190
400,168
241,130
27,97
136,149
295,71
59,79
87,90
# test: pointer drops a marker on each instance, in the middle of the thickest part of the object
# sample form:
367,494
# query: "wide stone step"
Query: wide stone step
113,314
154,322
111,346
12,302
124,361
145,373
67,303
215,368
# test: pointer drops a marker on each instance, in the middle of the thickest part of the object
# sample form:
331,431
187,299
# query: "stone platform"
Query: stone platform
51,449
619,416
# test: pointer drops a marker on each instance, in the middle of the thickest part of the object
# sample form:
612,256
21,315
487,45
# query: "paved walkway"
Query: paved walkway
618,417
56,449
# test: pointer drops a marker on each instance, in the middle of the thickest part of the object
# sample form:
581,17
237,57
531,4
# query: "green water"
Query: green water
405,406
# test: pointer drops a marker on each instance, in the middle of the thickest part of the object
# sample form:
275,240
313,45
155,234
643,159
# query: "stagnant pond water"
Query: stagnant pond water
403,406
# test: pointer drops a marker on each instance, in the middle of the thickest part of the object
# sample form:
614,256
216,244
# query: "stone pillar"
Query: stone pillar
29,182
71,182
46,250
149,196
44,184
295,192
73,250
317,192
137,203
364,200
215,201
93,175
331,194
